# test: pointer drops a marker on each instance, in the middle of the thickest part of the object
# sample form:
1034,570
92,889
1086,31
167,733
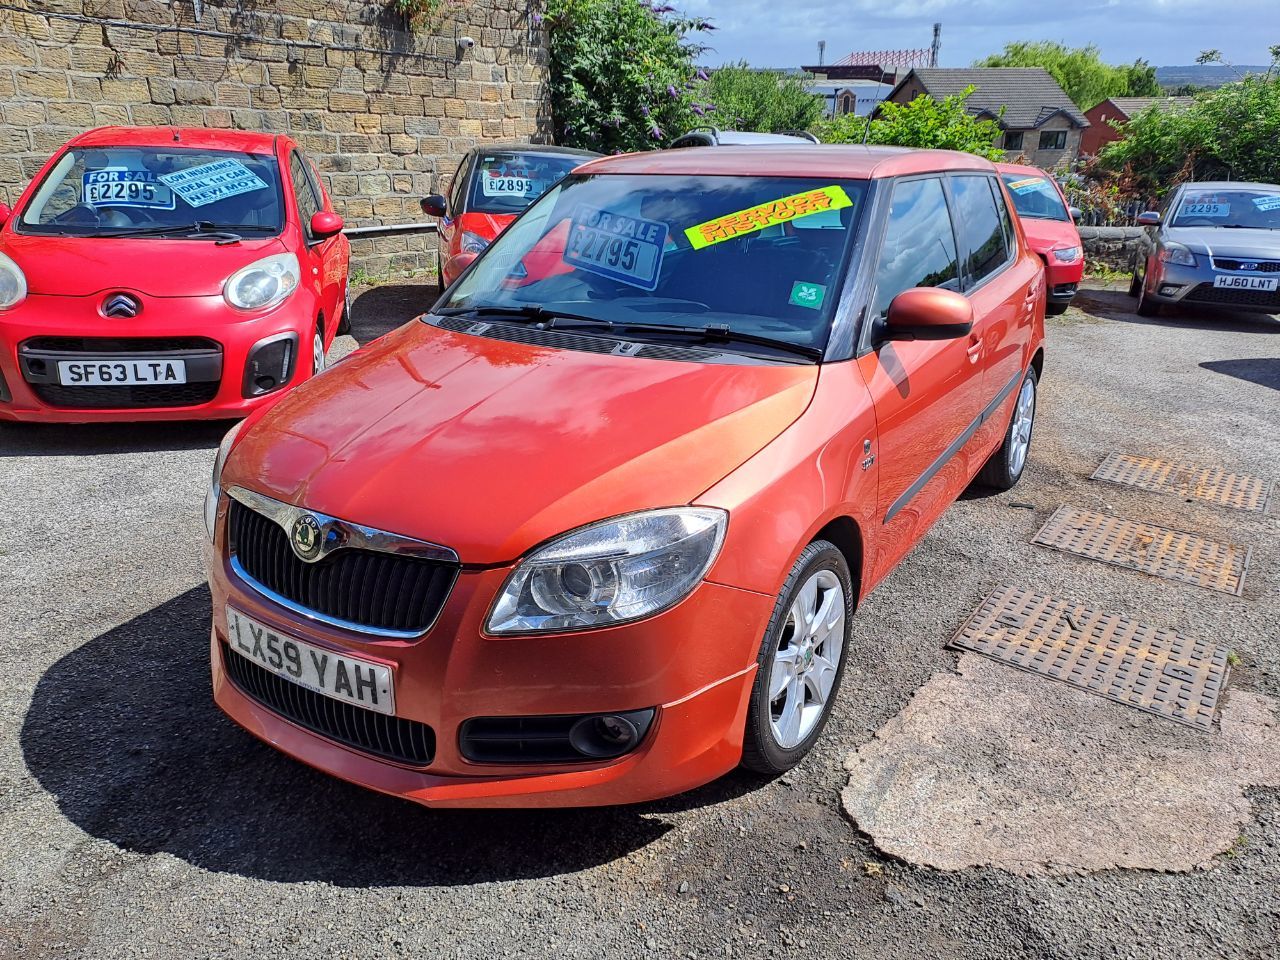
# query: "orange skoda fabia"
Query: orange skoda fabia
594,529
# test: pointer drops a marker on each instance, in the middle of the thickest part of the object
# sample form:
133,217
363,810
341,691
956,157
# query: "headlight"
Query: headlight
1177,253
13,285
215,480
263,283
1067,254
610,572
472,243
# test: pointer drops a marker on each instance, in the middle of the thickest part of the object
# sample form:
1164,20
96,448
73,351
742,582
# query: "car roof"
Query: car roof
246,141
711,136
1229,185
1022,168
843,161
535,148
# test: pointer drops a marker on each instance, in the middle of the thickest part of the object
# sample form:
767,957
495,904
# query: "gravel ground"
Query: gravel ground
136,822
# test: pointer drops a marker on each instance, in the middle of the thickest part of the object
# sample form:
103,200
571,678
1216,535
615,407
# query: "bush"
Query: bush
1228,133
623,75
924,122
761,100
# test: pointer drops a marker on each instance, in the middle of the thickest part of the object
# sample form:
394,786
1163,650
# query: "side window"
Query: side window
1006,219
919,246
303,189
458,189
982,235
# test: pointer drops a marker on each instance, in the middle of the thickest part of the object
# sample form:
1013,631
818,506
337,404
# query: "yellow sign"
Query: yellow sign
766,215
1029,182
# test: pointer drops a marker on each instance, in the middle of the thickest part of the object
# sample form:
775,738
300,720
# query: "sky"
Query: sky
785,33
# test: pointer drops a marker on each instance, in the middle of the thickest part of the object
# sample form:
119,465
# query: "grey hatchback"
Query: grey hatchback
1211,244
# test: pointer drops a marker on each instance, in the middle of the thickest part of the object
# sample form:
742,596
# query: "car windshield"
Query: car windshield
507,182
1229,207
139,191
1035,197
753,256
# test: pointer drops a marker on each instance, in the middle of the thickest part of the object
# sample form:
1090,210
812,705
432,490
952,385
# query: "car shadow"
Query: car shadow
123,733
1118,305
381,309
1264,371
89,439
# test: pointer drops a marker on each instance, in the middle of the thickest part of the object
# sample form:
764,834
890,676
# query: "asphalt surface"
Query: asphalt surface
135,821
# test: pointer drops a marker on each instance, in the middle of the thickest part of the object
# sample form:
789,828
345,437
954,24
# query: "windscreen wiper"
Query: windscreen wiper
201,228
524,313
712,333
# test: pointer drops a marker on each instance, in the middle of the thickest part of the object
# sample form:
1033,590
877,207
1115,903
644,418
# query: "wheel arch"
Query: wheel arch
844,533
1037,362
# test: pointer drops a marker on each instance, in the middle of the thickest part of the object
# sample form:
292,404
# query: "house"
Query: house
859,97
1107,115
1039,120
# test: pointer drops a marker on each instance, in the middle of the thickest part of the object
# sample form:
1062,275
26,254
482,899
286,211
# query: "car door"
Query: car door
927,393
455,202
1005,290
323,263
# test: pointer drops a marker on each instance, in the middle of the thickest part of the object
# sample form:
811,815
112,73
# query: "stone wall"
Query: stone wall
1112,247
385,112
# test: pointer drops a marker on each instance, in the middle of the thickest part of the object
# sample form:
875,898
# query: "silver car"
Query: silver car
1211,244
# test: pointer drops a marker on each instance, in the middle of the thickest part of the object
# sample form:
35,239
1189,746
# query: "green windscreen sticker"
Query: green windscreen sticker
809,295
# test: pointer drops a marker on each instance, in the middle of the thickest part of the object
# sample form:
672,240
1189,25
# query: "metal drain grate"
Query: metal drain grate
1158,551
1210,484
1159,671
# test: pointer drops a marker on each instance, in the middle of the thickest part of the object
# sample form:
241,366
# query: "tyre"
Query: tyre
801,661
1146,306
344,325
317,351
1005,467
1055,309
1135,284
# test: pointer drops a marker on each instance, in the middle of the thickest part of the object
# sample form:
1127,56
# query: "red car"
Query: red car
596,533
493,184
1049,224
167,273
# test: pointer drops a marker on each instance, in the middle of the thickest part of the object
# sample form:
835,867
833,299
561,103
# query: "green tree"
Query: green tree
762,100
1079,71
1227,133
924,122
623,73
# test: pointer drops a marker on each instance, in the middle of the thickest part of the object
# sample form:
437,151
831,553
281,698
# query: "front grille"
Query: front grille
392,738
144,395
101,345
367,588
1270,266
1208,293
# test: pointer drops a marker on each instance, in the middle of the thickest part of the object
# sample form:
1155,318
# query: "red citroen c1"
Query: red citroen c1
167,273
593,530
1050,226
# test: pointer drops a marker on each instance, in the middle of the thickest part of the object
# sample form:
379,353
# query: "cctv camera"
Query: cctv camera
465,43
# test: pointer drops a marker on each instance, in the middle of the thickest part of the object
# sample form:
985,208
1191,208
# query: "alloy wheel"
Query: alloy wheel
317,353
806,662
1024,416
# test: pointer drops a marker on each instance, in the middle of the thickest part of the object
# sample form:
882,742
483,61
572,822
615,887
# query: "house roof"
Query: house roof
1029,95
1131,106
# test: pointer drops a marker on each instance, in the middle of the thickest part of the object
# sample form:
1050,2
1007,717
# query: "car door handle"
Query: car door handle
975,350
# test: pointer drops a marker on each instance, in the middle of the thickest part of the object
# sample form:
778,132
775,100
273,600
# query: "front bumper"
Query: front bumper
1062,280
1173,283
212,339
695,663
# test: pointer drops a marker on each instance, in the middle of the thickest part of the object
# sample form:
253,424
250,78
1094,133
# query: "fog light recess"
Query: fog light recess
554,739
269,365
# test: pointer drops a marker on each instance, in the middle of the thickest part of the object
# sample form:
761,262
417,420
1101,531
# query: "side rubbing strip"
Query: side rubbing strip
909,494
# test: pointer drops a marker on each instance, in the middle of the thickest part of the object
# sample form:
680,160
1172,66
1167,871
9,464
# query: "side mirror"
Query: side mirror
928,313
325,224
1149,218
433,206
1075,212
6,212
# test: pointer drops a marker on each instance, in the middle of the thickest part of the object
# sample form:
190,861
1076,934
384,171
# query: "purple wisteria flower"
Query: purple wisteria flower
702,75
671,89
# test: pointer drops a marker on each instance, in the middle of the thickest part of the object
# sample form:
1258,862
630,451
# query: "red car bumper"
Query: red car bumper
1062,279
693,663
213,340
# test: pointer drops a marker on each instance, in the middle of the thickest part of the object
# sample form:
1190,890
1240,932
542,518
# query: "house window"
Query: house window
1053,139
1013,140
846,103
